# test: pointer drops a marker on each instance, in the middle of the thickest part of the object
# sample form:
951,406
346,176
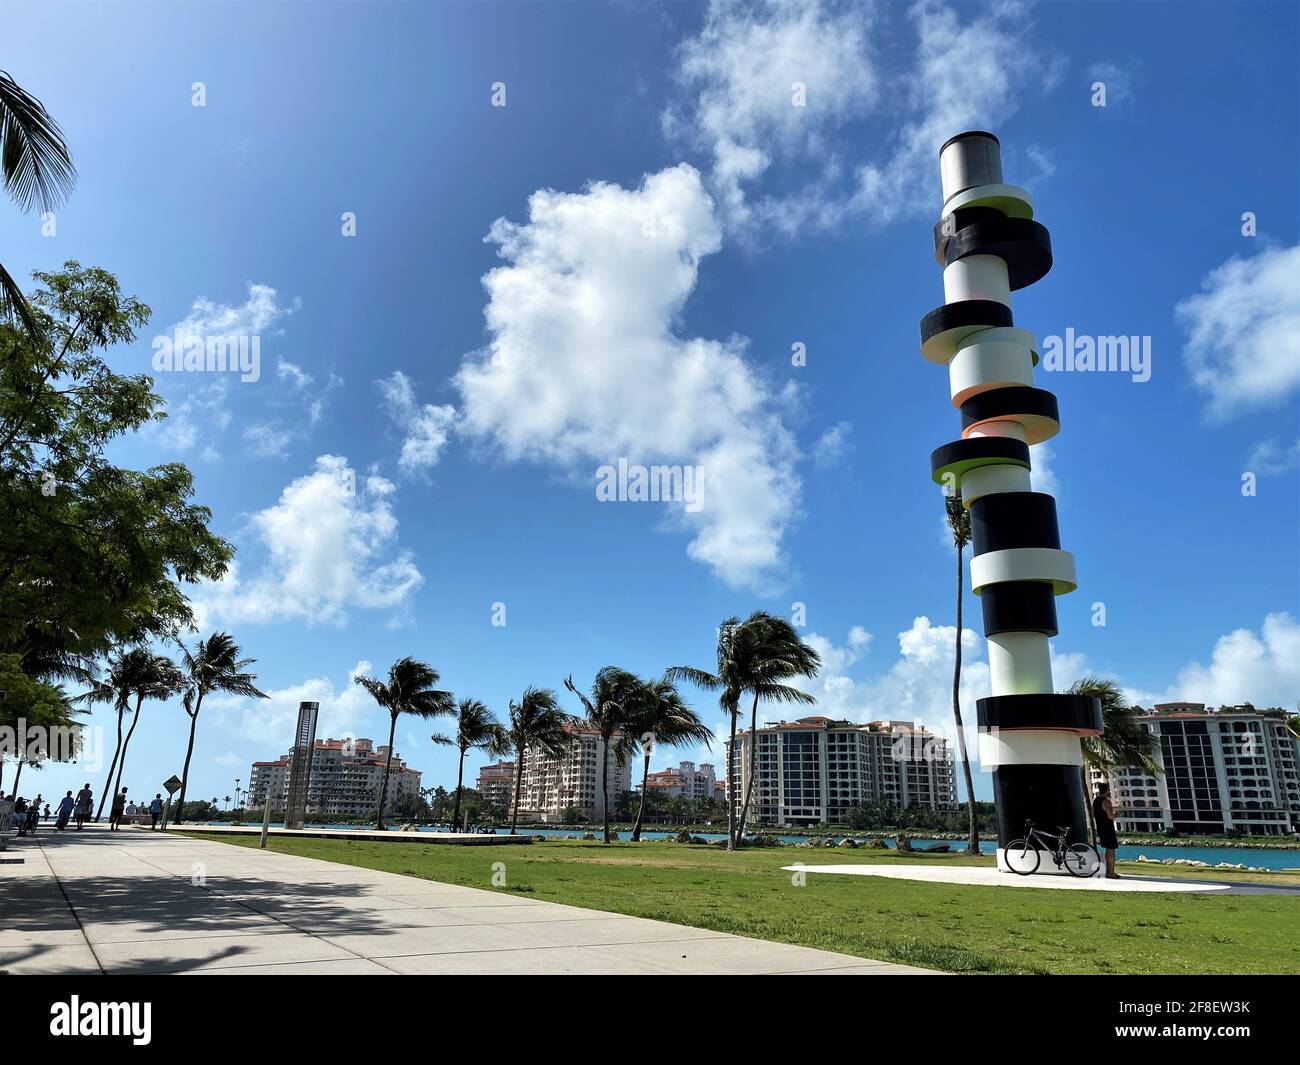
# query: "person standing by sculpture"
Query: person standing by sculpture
1103,814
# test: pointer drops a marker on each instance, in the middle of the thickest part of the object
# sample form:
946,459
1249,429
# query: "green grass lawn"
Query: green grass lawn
951,927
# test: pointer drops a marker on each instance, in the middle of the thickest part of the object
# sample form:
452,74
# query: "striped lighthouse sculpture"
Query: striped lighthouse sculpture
989,246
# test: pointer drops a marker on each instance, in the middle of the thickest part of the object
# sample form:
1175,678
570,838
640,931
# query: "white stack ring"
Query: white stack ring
977,277
1011,201
1029,747
1005,429
989,480
1020,663
985,365
1024,564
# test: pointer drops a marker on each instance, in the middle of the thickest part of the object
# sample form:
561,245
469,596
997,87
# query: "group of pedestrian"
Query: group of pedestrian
27,816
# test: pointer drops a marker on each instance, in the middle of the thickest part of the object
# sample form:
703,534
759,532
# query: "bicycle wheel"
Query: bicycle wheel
1082,860
1022,857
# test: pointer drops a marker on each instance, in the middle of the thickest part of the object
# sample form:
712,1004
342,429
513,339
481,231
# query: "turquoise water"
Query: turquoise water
1260,857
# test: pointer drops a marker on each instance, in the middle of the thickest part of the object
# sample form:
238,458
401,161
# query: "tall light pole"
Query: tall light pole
989,246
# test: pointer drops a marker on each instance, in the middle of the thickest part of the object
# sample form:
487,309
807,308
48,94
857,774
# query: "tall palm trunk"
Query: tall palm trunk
604,788
383,788
731,787
519,783
121,764
189,753
17,777
753,765
640,812
108,783
973,842
460,776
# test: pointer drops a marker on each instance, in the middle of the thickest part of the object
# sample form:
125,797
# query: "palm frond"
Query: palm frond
34,157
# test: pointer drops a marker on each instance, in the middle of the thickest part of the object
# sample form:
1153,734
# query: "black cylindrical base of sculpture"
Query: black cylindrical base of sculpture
1049,795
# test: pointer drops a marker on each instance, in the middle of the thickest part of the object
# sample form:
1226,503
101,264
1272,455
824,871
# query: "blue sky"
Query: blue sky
671,226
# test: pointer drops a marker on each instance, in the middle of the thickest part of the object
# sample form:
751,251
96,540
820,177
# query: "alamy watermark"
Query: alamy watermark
194,353
1075,353
633,483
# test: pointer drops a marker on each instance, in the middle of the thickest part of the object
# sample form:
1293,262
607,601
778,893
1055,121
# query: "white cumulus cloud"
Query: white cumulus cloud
426,427
330,544
1243,333
584,367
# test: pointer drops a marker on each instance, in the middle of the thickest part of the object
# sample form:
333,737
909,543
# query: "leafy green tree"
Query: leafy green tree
409,690
611,710
38,172
40,715
476,729
959,525
662,716
754,657
1123,740
215,665
536,722
91,556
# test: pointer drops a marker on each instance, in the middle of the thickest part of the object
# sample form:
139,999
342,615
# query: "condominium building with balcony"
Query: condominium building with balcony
346,776
1234,769
553,784
812,771
687,782
496,783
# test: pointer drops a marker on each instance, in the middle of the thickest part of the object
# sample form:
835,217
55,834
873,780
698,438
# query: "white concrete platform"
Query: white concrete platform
137,901
976,876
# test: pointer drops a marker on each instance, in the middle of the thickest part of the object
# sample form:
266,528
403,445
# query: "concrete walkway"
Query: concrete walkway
137,901
988,877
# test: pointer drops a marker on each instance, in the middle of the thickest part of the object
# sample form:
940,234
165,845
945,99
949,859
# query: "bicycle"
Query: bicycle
1023,856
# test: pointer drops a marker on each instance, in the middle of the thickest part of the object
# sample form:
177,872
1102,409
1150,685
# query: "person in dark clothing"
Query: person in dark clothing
85,800
66,805
1103,813
155,810
117,811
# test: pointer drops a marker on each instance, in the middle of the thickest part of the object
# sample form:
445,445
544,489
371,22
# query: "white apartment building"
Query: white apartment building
496,783
552,784
345,779
687,782
812,771
1231,768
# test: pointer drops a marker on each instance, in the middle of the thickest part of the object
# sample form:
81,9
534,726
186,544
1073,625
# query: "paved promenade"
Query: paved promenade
145,902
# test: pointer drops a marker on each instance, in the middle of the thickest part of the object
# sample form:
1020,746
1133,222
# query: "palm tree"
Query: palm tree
409,691
156,677
214,666
38,172
476,729
536,722
609,711
662,716
127,673
754,657
1123,741
959,524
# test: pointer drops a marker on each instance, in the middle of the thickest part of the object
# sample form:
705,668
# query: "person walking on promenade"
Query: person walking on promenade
1103,813
85,800
118,811
66,805
34,816
155,810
